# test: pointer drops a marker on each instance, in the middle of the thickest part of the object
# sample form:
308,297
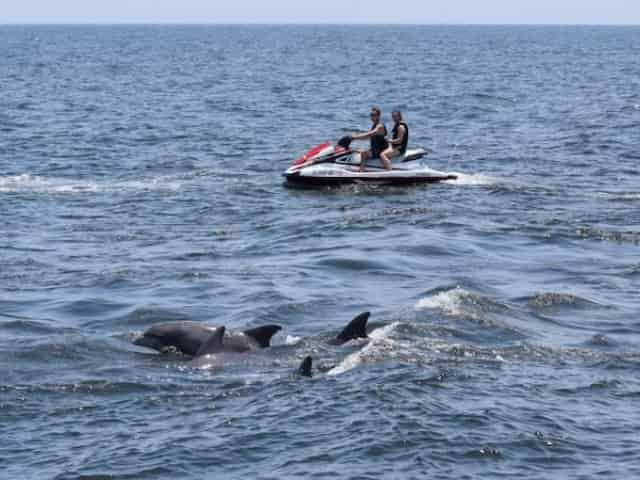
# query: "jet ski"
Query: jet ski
330,165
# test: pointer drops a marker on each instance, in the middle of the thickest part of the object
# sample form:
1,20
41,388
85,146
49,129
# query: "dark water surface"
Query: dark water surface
141,182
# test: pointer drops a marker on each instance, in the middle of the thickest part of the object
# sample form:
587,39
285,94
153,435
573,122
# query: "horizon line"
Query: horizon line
309,24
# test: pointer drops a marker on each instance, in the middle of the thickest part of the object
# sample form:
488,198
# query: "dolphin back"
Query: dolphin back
263,335
357,328
305,367
213,344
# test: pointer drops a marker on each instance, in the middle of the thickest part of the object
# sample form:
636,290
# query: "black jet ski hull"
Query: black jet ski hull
297,179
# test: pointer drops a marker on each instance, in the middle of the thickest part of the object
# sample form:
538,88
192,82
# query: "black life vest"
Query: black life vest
405,141
378,142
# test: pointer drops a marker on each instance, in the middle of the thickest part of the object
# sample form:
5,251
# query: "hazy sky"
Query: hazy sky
321,11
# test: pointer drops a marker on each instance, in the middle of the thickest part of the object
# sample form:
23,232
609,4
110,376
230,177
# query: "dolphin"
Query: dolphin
357,328
194,339
305,367
210,354
207,354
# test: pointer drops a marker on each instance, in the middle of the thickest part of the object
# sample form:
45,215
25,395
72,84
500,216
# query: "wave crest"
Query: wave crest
458,302
552,299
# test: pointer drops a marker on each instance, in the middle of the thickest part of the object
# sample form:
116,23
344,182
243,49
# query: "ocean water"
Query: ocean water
141,182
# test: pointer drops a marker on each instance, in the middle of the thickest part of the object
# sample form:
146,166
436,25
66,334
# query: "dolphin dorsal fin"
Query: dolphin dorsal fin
357,328
305,367
213,343
263,335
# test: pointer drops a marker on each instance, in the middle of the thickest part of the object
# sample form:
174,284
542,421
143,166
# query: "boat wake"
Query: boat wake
471,179
26,183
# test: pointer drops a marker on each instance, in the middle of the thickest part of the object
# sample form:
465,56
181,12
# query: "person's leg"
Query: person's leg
387,155
364,156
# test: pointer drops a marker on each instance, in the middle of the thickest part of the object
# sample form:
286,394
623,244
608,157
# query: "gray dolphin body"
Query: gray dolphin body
209,353
191,338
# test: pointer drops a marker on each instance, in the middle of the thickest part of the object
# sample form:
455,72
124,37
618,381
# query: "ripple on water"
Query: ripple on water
554,299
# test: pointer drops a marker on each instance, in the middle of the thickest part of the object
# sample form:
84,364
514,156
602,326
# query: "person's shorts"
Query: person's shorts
375,154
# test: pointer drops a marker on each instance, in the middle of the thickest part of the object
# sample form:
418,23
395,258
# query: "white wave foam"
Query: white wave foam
377,339
15,181
450,301
37,184
31,183
475,179
619,195
292,340
383,332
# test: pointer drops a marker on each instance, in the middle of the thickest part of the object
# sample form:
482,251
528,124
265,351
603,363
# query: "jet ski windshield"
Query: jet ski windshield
345,142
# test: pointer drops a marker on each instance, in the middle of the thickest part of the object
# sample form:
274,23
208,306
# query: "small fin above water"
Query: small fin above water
305,367
357,328
263,335
212,344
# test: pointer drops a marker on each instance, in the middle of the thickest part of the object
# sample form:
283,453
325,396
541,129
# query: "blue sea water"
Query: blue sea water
141,182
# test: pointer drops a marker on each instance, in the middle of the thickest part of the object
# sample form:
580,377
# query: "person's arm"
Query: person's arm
369,134
401,133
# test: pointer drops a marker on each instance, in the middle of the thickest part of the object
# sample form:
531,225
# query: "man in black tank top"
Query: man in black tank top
377,135
399,139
